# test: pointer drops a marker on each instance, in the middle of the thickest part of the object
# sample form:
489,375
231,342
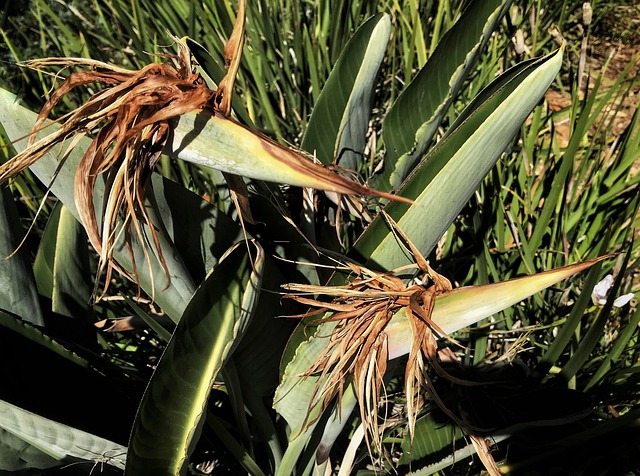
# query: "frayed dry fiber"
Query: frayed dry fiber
357,347
130,119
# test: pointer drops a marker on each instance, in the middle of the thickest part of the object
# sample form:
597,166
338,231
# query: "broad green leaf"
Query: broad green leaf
453,311
338,125
62,265
266,337
431,436
18,292
197,229
45,441
45,256
465,306
16,455
18,121
203,138
447,177
170,415
412,121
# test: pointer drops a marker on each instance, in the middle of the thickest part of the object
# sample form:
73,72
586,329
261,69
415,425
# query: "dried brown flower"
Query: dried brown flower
357,346
130,118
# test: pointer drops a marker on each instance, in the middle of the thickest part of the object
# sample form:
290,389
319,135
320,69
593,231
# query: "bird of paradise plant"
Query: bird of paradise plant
374,312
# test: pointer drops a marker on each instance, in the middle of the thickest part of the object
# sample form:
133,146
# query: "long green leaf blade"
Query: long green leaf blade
167,424
62,265
35,334
208,139
445,180
338,125
407,129
465,306
55,440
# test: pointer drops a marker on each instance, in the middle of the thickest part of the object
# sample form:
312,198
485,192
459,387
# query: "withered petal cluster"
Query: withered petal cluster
357,346
130,122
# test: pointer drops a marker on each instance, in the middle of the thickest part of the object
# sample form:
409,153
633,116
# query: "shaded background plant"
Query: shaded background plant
564,191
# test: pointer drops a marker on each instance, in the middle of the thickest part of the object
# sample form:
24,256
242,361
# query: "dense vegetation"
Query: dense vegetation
557,370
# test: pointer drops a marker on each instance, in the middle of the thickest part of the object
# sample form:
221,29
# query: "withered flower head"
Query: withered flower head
357,346
129,118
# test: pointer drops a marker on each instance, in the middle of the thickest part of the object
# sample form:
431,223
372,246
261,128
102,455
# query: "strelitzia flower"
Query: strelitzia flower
600,291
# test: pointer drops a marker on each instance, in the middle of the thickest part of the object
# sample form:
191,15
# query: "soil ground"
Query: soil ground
612,46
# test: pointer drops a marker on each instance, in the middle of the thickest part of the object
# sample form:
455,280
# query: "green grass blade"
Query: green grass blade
168,421
584,116
567,332
66,39
619,346
338,125
630,151
594,335
445,180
